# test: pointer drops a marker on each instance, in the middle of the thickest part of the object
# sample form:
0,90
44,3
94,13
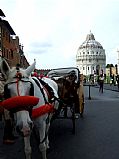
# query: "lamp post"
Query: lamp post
89,97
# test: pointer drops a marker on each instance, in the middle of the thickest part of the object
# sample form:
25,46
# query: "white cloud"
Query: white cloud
64,25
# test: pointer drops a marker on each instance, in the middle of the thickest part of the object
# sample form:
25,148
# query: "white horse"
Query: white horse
19,82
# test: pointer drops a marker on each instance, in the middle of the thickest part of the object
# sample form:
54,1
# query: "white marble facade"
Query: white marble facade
91,58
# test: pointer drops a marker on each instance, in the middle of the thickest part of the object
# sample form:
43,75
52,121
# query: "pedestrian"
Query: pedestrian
1,94
8,136
72,90
101,83
117,79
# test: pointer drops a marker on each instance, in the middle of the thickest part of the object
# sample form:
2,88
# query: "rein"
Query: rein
46,102
7,92
17,84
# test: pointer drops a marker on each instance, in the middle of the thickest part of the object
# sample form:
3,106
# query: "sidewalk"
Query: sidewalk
92,93
110,87
106,86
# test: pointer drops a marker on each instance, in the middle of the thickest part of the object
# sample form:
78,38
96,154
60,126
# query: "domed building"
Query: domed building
91,58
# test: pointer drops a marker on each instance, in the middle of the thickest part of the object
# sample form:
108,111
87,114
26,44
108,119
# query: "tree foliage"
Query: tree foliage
109,65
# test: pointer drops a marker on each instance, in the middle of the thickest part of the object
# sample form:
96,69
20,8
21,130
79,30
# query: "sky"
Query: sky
51,31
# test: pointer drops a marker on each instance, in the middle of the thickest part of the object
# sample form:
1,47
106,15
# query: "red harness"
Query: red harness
22,102
47,108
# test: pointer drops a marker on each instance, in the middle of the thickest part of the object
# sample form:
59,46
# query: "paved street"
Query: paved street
97,134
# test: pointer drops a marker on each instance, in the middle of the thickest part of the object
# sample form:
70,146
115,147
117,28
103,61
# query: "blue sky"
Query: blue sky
52,30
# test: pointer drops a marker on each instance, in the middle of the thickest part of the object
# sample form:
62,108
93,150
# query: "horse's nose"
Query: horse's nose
26,131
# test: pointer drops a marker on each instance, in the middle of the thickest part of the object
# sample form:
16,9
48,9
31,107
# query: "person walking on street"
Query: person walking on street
8,136
117,79
101,83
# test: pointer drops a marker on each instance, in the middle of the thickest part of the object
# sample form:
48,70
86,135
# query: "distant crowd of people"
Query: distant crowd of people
36,74
101,79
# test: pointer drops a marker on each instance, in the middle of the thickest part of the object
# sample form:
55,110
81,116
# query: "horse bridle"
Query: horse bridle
18,78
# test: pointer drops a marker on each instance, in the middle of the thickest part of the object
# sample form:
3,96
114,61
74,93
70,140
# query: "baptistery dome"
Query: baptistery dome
91,56
90,42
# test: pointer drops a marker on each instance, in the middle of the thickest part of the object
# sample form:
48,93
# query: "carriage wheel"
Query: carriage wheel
80,92
82,106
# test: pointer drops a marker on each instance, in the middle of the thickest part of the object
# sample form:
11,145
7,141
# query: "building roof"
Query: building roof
1,13
8,26
6,23
90,42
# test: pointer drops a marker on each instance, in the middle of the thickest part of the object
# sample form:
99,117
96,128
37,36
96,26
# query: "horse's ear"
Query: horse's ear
5,68
31,68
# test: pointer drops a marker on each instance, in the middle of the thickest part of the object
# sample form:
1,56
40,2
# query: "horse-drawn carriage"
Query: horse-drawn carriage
28,99
70,92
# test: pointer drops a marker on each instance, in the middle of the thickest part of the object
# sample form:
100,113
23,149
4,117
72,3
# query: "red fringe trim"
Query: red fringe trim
19,101
47,108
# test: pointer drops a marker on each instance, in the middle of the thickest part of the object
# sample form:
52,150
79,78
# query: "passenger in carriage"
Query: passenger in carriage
73,89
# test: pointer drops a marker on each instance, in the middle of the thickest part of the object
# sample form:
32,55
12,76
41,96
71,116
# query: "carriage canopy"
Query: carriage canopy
63,72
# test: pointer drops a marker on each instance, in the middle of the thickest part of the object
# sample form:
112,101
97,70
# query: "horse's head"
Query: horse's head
19,84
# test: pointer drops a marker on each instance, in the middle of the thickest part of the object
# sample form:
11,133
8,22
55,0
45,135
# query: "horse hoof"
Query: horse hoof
76,116
48,150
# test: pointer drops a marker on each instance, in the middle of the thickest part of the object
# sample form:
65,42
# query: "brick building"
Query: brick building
10,47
